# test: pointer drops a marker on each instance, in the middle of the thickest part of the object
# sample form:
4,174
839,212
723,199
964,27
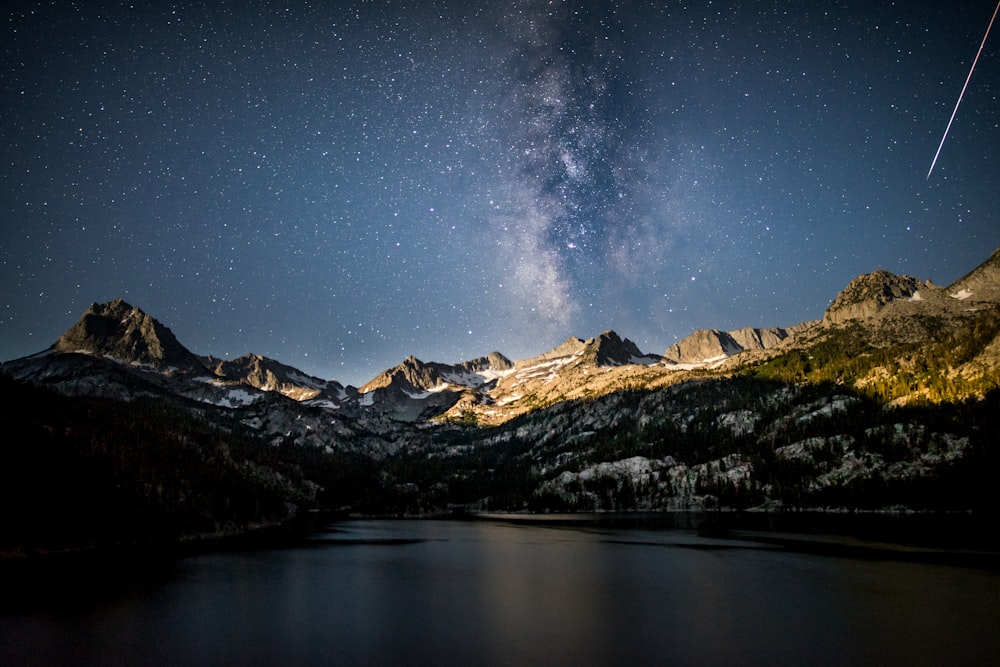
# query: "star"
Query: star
319,180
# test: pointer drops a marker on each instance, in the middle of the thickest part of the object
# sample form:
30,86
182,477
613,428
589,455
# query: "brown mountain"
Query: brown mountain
417,390
270,375
708,346
869,293
126,334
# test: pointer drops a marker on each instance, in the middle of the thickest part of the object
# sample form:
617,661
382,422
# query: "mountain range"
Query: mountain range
824,412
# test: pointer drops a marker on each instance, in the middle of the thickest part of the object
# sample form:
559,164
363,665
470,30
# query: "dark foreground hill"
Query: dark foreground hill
96,472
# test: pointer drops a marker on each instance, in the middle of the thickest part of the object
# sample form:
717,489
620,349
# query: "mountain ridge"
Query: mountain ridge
271,375
890,402
492,387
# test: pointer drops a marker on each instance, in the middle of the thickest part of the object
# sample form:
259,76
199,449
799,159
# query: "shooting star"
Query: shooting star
962,94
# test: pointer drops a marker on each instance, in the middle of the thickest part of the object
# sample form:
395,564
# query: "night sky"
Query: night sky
338,185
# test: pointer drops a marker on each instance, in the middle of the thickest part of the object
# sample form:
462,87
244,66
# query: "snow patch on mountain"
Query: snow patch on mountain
420,395
234,398
547,371
961,295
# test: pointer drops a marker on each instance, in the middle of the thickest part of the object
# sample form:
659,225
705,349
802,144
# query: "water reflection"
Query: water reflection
423,592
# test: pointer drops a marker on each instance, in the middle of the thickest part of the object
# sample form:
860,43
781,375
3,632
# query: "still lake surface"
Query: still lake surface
581,591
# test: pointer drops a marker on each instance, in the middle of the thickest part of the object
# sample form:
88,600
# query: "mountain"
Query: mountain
869,293
880,309
899,339
122,332
116,351
980,284
706,347
576,368
492,389
270,375
415,390
891,399
609,349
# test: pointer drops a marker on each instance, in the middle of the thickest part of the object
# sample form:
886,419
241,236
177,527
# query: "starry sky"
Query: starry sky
338,185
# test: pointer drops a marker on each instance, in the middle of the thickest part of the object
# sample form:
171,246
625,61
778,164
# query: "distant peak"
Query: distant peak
610,349
112,308
492,361
707,346
869,293
120,331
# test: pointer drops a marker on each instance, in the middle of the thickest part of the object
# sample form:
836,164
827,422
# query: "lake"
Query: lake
633,590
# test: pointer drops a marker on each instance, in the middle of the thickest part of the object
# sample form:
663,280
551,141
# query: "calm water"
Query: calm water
497,593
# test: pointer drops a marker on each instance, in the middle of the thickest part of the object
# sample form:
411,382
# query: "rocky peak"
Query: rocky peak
869,293
609,349
569,347
414,375
270,375
708,345
494,361
982,283
702,346
128,335
750,338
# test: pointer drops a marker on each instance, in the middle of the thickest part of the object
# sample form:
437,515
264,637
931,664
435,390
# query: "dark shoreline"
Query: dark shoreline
959,538
265,536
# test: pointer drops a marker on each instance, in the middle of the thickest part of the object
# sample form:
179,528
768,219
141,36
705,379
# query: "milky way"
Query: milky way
340,185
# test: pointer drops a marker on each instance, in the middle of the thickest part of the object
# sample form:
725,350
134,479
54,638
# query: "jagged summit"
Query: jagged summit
493,361
883,309
702,346
411,375
414,375
416,390
869,293
126,334
269,375
707,346
607,349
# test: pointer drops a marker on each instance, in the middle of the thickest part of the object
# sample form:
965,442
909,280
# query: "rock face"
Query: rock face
711,345
568,348
414,375
416,390
612,350
494,361
126,334
867,294
758,339
883,310
982,283
270,375
608,349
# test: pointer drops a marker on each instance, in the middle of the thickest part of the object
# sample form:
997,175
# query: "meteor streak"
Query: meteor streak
961,94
